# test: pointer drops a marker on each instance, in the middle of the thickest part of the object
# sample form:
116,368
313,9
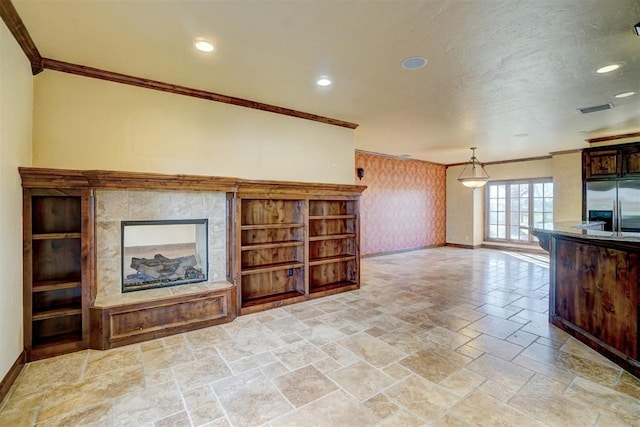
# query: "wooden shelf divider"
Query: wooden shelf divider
55,236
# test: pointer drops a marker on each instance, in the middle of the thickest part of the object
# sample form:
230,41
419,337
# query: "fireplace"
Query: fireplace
162,253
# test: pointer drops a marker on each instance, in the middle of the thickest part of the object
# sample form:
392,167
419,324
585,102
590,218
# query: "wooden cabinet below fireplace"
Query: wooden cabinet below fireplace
57,269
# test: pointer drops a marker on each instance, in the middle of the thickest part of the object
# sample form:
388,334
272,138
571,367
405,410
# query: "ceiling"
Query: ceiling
505,76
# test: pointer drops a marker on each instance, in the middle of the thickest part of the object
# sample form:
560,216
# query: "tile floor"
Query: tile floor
443,337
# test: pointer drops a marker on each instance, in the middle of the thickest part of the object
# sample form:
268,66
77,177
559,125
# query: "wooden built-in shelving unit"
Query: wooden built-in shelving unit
287,242
56,268
334,261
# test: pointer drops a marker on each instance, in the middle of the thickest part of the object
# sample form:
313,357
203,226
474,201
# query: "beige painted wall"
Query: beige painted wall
16,95
83,123
465,207
567,187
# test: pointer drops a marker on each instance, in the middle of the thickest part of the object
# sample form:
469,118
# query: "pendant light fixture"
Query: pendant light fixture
473,175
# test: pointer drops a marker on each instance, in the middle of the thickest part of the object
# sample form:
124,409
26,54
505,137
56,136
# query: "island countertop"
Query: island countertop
588,230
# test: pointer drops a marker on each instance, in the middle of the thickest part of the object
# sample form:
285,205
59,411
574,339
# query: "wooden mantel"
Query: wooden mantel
70,178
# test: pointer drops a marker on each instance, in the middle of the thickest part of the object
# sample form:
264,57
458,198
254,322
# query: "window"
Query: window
511,204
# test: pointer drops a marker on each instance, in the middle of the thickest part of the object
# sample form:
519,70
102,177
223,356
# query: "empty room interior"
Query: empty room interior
320,213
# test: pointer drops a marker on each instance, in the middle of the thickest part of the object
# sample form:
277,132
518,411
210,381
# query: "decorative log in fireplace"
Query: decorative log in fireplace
163,269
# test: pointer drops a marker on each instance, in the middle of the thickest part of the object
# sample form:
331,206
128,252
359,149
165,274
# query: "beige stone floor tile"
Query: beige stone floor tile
434,317
303,311
381,405
371,349
327,365
538,305
605,375
375,331
558,374
577,348
496,311
435,363
469,351
408,342
543,399
361,380
495,326
206,337
386,322
48,373
286,326
339,354
64,399
463,382
329,306
166,357
298,354
175,420
100,362
200,372
446,337
252,362
403,418
22,403
610,420
497,347
249,345
629,385
321,334
605,399
101,414
151,345
451,421
497,391
274,369
466,312
468,332
202,405
18,418
221,422
522,338
147,405
397,371
480,409
304,385
422,397
506,373
158,377
335,409
291,338
250,399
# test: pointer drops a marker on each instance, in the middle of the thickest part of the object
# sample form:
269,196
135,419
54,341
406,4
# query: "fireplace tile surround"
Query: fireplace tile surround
114,206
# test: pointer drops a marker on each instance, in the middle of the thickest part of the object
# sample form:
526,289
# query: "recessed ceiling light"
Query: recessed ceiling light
625,94
521,135
414,63
608,68
323,82
203,46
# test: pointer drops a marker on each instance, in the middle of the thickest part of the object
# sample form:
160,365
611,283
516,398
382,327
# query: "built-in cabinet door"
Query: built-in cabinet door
602,164
631,163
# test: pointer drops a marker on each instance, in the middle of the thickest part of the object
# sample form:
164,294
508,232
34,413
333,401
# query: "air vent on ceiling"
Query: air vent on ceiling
595,108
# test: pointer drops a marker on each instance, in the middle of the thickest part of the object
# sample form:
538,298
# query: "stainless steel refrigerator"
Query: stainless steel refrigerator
617,203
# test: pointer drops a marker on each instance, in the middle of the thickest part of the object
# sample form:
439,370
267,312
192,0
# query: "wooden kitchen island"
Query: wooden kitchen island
594,288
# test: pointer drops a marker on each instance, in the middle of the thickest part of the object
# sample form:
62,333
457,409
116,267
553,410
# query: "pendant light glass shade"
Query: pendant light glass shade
473,175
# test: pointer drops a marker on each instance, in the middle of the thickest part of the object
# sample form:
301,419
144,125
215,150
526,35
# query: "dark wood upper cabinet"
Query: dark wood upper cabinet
602,164
612,162
631,162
